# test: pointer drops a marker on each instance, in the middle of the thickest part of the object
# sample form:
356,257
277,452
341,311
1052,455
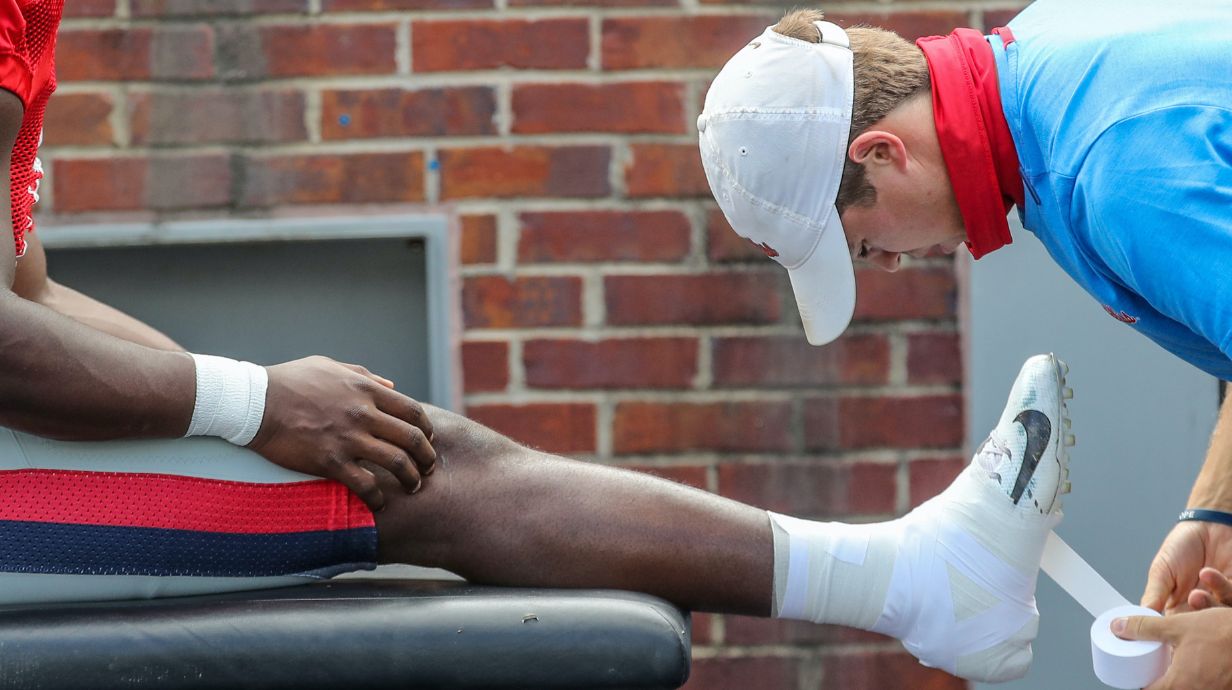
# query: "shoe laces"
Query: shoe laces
992,456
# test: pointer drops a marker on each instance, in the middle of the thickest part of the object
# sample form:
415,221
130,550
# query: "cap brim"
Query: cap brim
825,286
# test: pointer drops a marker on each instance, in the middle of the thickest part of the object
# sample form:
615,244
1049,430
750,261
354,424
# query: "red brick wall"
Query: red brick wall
608,312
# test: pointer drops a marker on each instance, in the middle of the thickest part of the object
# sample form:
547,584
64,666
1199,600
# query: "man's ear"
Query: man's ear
878,147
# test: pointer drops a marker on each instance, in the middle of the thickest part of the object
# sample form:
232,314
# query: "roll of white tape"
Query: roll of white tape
1126,663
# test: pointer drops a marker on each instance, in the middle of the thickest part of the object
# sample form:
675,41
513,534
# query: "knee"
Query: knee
459,440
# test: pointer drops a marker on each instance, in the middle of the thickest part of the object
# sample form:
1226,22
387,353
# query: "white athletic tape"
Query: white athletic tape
1077,578
922,571
852,549
1118,663
230,399
930,579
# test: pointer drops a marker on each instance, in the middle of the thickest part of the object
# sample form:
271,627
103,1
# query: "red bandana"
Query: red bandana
975,139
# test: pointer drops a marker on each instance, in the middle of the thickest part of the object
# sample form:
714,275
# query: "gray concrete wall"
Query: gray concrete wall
360,301
1142,419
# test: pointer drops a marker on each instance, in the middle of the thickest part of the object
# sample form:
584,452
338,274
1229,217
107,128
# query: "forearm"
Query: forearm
1213,488
99,316
62,379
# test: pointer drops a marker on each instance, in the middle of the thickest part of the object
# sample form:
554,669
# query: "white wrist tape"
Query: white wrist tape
230,399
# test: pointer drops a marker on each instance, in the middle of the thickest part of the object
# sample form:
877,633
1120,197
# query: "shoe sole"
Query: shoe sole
1065,439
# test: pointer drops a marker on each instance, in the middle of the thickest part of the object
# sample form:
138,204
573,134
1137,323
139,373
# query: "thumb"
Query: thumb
1145,628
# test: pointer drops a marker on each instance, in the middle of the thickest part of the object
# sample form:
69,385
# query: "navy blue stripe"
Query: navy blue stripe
48,547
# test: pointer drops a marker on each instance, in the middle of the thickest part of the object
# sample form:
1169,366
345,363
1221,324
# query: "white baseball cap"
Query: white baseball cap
773,140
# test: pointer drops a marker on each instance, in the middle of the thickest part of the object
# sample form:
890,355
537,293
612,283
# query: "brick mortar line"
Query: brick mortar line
314,110
478,207
699,245
508,235
419,80
704,380
898,373
902,486
502,116
845,458
146,88
605,416
622,269
718,626
517,373
722,650
687,9
594,34
686,396
402,48
620,160
720,329
785,650
694,101
594,306
828,458
120,117
432,176
659,331
398,145
560,205
796,425
622,332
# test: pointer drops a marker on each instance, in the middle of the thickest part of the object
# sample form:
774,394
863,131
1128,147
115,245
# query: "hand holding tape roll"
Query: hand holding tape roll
1118,663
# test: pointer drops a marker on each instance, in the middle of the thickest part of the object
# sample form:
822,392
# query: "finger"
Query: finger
363,371
410,439
1146,628
1200,599
392,402
393,460
360,482
1218,585
1159,585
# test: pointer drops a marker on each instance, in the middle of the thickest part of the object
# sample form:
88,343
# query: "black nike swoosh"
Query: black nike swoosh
1039,432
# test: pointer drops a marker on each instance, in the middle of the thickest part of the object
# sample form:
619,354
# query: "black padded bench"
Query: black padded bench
352,634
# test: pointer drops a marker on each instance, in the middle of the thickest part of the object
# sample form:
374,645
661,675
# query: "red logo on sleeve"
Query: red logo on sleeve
1122,316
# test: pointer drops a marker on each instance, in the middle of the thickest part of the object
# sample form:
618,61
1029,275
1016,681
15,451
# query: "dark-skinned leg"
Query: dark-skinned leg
497,512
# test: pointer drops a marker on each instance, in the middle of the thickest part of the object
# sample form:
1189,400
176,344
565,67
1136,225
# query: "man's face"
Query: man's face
881,233
914,213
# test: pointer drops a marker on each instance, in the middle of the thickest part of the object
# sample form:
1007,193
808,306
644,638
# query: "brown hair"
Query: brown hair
888,70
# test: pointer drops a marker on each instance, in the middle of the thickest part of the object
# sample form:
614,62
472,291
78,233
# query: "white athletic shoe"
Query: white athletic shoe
1026,452
990,526
954,579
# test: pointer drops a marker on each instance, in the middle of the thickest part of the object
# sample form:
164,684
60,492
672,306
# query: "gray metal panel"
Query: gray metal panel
373,290
1142,418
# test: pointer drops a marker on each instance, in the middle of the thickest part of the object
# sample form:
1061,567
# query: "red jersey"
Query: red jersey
28,69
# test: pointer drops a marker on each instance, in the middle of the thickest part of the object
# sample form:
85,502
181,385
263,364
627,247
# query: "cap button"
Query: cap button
701,122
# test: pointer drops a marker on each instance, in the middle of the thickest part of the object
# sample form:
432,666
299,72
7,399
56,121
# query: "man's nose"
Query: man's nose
886,261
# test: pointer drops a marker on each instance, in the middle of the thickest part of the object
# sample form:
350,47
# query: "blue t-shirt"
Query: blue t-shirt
1121,111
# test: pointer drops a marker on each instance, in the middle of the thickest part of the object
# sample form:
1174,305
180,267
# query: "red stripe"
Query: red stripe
175,502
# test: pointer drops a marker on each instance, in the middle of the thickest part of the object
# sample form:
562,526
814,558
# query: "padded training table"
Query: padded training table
351,634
